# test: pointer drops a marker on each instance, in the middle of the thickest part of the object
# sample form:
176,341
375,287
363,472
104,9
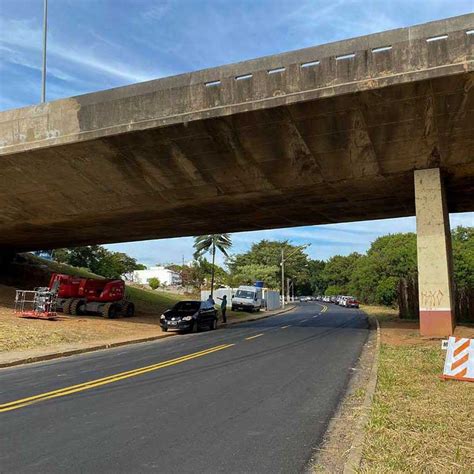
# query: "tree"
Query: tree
390,258
463,257
316,280
98,260
154,283
249,274
337,273
209,243
266,255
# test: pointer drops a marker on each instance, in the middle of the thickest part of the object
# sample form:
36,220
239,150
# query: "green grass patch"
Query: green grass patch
152,301
60,267
419,423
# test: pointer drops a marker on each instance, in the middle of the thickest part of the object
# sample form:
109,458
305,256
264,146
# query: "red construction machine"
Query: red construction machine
77,296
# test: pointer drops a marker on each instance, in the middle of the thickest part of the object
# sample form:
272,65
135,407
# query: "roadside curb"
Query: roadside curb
352,465
67,353
57,355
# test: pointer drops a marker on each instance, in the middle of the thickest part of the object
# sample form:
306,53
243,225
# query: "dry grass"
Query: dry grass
419,423
17,334
21,334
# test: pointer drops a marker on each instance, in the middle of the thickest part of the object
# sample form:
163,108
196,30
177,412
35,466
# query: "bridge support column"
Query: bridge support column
434,255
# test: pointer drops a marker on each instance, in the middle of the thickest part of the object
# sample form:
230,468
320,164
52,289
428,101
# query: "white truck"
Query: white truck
247,298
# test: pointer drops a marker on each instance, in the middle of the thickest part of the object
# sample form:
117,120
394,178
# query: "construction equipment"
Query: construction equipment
76,296
66,288
39,303
79,296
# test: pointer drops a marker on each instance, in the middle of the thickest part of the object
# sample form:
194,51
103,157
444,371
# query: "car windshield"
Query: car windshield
186,306
245,294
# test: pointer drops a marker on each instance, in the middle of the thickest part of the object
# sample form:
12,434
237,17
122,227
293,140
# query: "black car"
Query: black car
189,316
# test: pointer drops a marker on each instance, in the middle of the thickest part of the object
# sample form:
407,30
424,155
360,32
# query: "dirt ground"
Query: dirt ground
19,333
399,332
23,335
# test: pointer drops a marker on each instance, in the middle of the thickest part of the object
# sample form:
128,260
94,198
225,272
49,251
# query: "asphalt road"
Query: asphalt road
254,398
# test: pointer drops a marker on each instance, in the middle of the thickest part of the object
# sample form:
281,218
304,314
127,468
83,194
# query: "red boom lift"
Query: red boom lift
79,296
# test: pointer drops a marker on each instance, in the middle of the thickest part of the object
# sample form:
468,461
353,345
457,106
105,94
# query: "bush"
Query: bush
154,283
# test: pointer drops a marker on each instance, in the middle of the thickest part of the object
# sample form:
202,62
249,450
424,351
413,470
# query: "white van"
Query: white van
248,298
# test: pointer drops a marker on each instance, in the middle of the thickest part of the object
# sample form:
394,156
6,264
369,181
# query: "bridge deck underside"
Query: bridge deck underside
344,158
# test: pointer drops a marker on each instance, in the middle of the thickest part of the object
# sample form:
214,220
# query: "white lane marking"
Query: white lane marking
253,337
284,327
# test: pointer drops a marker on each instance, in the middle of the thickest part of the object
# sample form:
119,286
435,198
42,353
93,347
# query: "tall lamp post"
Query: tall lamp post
45,36
282,263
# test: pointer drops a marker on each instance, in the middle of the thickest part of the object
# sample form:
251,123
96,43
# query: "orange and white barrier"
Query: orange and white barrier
459,364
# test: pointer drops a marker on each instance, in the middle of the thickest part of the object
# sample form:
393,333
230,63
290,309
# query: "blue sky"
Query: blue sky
99,44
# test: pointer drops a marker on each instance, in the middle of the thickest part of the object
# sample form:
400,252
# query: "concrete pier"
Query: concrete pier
434,255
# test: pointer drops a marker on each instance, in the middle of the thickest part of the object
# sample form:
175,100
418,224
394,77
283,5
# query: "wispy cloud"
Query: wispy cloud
155,11
20,38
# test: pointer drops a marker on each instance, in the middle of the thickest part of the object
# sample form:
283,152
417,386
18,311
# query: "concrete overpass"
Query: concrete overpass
325,134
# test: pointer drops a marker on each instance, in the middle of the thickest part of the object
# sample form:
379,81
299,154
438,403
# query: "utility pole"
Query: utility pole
282,263
45,36
282,278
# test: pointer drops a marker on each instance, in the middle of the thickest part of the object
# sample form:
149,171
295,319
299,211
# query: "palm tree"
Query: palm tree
209,243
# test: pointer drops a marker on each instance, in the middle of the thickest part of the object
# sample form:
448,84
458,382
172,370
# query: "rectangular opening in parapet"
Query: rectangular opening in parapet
276,70
381,49
213,83
310,64
243,77
345,56
470,32
436,38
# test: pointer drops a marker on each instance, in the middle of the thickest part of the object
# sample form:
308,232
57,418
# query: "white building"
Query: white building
167,277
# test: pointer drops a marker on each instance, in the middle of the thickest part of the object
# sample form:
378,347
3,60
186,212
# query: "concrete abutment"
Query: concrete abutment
435,274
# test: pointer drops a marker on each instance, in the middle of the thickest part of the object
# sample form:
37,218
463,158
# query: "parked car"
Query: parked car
247,298
351,302
189,316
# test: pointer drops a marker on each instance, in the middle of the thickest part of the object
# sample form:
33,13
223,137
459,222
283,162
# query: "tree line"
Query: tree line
373,277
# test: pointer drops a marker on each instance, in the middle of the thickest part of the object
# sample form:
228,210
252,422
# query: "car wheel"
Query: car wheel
196,326
164,329
213,324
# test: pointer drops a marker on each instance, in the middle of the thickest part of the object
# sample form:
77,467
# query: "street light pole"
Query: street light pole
282,278
45,36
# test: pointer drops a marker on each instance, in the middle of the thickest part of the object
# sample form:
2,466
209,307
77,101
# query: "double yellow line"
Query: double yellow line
62,392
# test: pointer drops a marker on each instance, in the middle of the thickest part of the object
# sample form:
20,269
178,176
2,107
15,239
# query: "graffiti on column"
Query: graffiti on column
431,299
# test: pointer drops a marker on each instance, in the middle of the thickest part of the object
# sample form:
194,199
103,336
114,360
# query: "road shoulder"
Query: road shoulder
14,358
